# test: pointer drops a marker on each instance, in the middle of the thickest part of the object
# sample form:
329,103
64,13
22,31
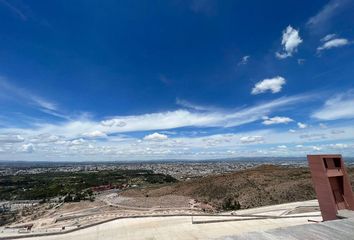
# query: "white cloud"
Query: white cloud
337,107
316,148
301,125
10,138
328,37
156,137
67,140
77,141
27,148
333,43
185,118
272,84
113,123
252,139
244,60
249,143
338,146
276,120
282,147
95,134
292,130
45,138
290,41
84,127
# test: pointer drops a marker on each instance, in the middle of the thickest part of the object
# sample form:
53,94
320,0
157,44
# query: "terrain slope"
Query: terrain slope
263,185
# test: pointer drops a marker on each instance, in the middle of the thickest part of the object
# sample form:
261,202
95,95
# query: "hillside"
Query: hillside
264,185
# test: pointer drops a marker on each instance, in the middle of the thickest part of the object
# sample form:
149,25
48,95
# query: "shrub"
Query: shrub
230,203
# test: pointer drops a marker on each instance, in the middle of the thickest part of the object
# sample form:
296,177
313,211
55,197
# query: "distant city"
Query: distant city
176,168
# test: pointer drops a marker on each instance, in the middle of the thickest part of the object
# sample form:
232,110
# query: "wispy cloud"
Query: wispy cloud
244,60
25,97
337,107
332,43
45,104
186,118
189,105
16,10
319,22
328,37
165,120
290,41
164,79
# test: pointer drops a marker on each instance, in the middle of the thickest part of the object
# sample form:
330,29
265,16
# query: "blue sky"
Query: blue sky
199,79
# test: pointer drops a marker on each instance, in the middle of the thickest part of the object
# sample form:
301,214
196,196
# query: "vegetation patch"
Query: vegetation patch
74,186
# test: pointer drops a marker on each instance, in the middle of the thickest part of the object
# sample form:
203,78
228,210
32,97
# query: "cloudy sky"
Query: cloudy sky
196,79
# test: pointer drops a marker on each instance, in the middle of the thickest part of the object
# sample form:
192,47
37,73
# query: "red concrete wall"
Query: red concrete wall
332,184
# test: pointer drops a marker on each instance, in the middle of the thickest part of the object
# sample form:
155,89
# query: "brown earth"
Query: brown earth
263,185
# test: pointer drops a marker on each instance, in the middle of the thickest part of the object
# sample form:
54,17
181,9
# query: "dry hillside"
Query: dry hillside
264,185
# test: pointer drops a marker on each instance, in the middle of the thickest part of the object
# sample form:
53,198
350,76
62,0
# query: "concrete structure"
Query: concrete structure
181,227
332,184
342,229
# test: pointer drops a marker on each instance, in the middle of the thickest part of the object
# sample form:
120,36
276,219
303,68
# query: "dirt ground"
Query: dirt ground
107,205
